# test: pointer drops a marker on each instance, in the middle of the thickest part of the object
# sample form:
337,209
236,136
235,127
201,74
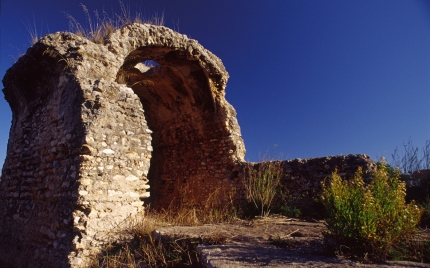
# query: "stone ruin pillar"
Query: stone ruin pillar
93,128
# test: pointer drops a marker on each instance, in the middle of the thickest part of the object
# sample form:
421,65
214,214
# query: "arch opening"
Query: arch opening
188,146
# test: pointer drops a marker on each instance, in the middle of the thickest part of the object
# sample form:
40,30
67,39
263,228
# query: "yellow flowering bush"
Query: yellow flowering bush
367,220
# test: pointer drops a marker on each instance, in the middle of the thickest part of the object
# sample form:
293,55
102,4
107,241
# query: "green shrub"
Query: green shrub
367,220
291,211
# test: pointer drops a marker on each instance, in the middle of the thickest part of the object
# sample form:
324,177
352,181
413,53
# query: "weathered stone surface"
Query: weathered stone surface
94,130
88,122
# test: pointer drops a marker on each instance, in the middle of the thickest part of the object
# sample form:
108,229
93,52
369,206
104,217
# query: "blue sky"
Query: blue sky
316,78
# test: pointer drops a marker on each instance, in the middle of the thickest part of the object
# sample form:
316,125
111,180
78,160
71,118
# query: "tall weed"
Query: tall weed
261,184
411,159
414,164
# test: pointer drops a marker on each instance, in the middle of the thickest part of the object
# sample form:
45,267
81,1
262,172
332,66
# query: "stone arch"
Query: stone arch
80,147
196,138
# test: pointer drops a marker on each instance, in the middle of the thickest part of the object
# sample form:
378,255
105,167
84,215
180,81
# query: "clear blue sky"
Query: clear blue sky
317,78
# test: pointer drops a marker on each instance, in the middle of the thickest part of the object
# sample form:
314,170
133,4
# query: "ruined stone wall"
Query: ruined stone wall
114,165
301,178
38,180
78,156
92,129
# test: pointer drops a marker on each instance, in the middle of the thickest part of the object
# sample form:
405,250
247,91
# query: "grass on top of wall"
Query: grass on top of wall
101,25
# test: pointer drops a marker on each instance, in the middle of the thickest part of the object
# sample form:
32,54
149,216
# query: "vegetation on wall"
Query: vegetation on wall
101,24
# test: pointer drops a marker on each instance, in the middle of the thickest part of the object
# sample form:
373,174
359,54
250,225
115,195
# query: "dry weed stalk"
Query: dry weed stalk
32,31
261,184
104,25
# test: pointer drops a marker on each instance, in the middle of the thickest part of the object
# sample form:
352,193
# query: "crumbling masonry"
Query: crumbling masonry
93,129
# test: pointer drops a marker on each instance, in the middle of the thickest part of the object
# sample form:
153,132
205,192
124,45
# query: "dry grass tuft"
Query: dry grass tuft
217,208
103,25
145,249
100,26
32,30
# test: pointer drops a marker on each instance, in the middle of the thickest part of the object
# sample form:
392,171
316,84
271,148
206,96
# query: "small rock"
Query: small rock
108,151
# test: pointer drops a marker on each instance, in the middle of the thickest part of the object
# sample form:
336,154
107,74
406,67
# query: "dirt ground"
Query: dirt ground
269,242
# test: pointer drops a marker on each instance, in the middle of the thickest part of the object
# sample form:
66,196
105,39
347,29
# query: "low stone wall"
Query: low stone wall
301,178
